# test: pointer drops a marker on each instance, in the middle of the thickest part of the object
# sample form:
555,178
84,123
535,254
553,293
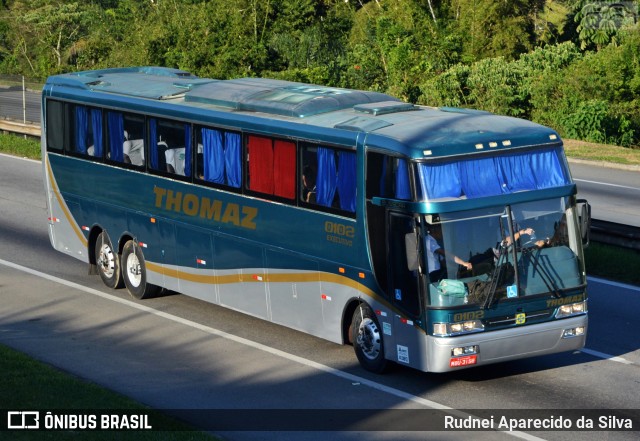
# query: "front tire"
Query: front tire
108,261
367,340
134,272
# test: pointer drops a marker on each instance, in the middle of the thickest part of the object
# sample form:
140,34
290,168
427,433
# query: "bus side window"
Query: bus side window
115,136
170,149
133,144
86,131
272,166
55,125
219,157
391,177
329,178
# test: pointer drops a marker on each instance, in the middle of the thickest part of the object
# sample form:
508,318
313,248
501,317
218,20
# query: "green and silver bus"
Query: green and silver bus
436,238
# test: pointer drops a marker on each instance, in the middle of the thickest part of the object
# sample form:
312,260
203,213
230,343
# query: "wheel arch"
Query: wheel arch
347,318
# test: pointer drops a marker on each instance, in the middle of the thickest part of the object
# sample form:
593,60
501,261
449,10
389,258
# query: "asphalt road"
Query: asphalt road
614,193
175,352
15,105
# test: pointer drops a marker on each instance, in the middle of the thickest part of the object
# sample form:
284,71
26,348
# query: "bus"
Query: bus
434,238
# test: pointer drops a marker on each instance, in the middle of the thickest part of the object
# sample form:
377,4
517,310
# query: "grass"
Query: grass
18,145
613,263
27,384
601,152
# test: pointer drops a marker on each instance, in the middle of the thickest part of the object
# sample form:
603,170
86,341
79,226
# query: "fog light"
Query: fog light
573,332
464,350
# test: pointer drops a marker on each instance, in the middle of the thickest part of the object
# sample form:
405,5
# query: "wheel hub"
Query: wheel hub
369,339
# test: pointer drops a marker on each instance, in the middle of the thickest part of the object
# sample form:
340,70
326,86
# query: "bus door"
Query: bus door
403,286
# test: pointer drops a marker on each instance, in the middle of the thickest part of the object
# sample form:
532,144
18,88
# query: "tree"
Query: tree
491,28
46,30
599,23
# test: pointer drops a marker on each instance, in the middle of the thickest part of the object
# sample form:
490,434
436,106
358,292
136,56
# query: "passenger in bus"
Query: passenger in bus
175,161
309,185
436,256
133,150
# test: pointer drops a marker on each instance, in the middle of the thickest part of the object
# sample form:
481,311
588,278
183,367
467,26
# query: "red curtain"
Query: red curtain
284,169
260,164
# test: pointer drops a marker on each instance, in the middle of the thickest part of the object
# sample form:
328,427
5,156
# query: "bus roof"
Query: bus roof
415,131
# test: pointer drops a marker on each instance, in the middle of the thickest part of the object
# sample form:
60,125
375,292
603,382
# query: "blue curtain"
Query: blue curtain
153,148
326,180
96,124
556,174
403,188
489,176
480,178
441,181
515,173
116,136
82,126
347,180
233,159
213,156
187,150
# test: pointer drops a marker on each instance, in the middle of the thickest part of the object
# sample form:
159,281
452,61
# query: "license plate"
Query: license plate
463,361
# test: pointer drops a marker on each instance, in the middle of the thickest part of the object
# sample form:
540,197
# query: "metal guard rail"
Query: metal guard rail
611,233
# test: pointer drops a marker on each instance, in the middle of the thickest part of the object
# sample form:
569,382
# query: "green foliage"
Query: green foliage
599,22
595,97
500,56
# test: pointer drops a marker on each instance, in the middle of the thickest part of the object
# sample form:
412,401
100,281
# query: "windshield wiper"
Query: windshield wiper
544,274
496,277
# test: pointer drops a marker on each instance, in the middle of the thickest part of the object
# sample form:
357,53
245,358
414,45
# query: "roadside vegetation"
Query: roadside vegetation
27,384
569,64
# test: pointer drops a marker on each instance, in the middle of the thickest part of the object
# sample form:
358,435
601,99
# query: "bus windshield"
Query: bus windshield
487,255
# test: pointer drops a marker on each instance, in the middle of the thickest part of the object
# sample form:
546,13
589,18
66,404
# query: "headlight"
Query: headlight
447,329
572,309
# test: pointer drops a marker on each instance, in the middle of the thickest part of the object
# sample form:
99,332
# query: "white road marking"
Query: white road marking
606,183
354,379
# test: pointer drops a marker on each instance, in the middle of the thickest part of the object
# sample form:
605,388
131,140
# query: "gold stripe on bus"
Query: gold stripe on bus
270,278
63,206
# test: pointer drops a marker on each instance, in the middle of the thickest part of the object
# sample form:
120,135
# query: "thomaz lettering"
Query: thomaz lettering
213,209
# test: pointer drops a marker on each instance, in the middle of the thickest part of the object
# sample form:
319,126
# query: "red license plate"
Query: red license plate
463,361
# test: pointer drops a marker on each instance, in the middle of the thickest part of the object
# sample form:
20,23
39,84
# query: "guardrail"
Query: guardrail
7,125
611,233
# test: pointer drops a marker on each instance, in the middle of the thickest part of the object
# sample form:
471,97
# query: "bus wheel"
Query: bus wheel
367,340
135,273
107,261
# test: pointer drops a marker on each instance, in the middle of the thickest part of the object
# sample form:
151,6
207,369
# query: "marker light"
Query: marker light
572,309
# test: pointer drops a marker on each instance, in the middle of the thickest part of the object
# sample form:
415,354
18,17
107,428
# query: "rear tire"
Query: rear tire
108,262
367,340
134,272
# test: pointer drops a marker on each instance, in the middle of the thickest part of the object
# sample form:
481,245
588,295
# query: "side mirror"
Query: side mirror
584,219
411,248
